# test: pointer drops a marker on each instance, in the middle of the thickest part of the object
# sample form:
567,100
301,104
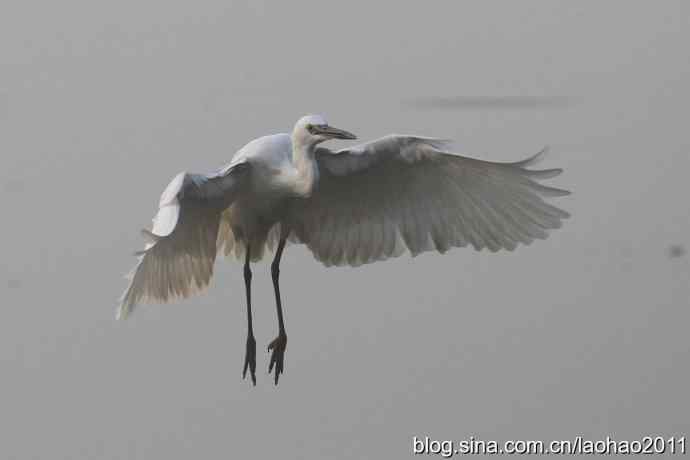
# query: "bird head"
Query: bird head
314,129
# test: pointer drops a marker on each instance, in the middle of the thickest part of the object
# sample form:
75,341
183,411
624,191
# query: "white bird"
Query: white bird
349,207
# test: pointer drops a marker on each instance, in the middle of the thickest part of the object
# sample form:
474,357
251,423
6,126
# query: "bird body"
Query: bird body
279,172
255,210
352,206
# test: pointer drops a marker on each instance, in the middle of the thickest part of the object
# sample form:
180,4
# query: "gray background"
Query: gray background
584,333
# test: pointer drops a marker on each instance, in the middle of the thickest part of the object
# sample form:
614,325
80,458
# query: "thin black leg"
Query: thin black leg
250,353
279,344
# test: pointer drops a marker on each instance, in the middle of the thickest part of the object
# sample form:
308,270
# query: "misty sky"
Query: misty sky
101,104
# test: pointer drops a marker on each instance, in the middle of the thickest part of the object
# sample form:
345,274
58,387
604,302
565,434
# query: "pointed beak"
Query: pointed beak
335,133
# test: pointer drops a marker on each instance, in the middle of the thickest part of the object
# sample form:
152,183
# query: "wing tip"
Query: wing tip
553,191
125,306
536,158
542,173
122,313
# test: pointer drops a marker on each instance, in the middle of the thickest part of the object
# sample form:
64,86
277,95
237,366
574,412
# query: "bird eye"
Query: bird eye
310,128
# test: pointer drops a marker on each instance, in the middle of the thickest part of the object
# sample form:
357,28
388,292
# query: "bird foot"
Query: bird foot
277,347
250,359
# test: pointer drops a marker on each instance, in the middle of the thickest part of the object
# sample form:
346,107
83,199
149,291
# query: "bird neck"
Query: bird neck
304,160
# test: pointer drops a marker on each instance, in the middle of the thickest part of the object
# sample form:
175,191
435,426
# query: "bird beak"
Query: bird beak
335,133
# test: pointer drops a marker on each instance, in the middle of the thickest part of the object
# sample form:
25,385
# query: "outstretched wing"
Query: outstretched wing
178,259
404,192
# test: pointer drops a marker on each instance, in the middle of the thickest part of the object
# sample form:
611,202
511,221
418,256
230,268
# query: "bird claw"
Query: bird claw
250,359
277,348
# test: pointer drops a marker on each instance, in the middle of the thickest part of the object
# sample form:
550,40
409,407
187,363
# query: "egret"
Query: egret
351,206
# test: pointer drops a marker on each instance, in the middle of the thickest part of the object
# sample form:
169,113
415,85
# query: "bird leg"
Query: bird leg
278,345
250,353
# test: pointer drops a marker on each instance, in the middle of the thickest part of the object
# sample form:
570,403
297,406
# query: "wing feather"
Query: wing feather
178,259
407,192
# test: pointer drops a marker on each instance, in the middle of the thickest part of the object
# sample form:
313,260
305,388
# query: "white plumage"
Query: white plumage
402,192
349,207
